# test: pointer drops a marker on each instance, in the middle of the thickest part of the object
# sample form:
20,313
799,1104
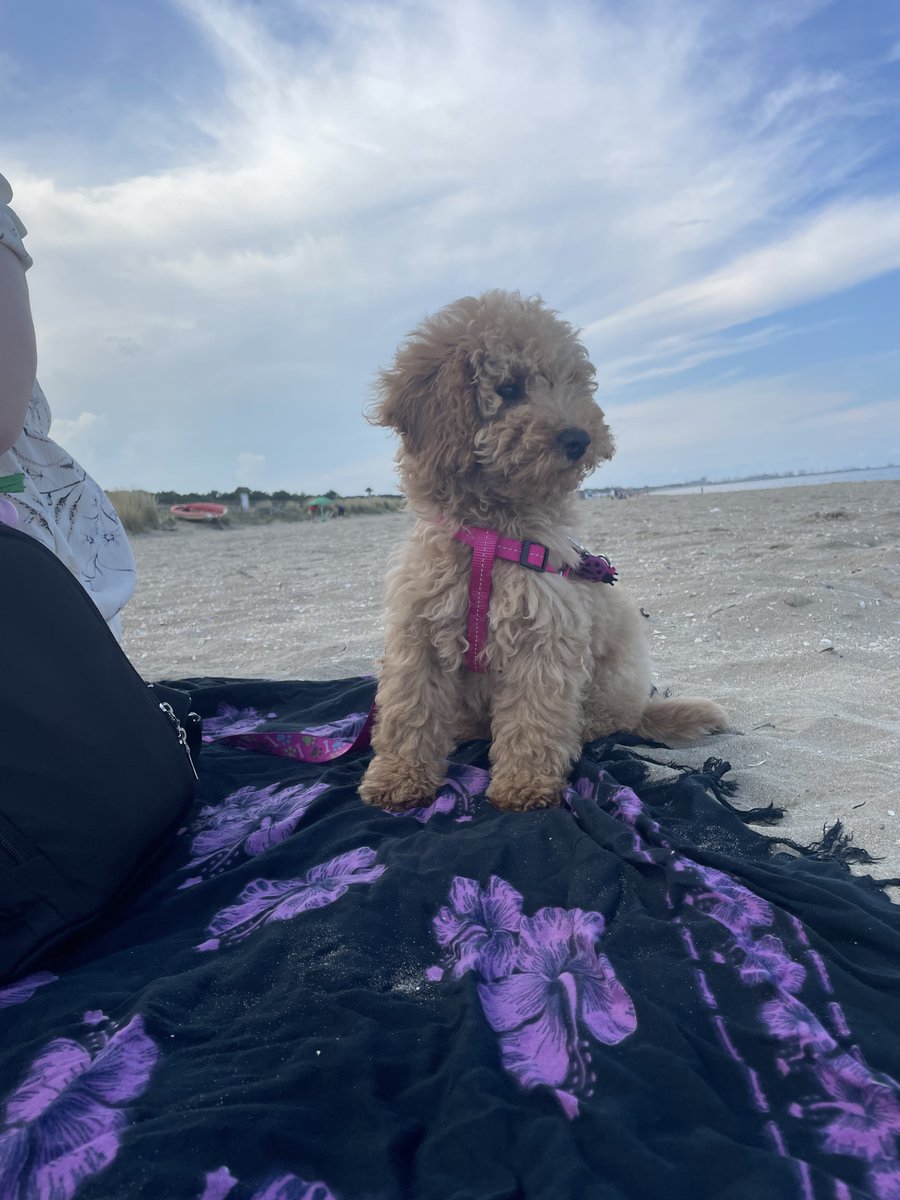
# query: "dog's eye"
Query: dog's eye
511,393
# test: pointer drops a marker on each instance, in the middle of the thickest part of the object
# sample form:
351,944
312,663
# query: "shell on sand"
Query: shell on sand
743,590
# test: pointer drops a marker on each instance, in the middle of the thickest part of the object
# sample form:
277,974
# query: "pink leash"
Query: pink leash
307,747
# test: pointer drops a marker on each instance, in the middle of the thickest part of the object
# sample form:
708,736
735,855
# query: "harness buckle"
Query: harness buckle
526,550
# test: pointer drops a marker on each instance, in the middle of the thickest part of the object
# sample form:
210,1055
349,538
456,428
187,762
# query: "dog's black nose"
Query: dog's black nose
573,442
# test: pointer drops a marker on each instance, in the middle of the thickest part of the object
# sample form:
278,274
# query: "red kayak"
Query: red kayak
198,511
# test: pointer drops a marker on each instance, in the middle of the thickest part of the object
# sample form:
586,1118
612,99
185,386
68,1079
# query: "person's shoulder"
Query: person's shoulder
12,231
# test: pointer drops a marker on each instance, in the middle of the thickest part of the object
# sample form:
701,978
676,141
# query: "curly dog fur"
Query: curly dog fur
493,398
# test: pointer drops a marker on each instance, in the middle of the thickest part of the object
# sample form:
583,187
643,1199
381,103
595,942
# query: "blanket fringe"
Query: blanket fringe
835,845
711,776
633,770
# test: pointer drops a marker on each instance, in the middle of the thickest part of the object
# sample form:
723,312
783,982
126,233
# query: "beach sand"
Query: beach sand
782,604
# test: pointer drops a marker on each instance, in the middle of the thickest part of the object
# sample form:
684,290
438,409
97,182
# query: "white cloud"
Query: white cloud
676,353
800,89
783,423
646,170
828,251
74,432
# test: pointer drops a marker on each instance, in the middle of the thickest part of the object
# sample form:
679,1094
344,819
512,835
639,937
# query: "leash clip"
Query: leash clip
596,568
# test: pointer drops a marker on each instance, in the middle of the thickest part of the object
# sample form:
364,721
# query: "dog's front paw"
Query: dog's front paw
395,785
523,795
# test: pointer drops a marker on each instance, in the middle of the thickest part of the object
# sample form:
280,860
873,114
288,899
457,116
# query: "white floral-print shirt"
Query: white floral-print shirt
62,506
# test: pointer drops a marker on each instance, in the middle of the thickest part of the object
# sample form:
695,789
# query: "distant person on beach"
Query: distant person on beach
45,491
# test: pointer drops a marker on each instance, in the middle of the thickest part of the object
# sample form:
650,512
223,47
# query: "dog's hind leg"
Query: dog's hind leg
620,673
418,709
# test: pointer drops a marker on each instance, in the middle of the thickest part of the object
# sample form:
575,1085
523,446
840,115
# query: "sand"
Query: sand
782,604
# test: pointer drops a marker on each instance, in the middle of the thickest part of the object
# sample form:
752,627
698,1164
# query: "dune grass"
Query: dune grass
296,510
141,512
354,505
138,511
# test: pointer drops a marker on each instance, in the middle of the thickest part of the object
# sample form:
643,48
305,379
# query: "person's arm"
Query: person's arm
18,355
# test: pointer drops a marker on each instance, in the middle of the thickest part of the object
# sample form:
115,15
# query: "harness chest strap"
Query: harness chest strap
487,545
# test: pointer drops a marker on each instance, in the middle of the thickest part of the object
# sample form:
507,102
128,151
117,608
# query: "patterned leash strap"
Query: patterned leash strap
307,745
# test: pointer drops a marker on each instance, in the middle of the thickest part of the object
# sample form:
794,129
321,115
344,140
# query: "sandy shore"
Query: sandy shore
783,604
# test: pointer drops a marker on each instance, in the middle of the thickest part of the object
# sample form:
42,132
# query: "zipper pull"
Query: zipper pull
179,733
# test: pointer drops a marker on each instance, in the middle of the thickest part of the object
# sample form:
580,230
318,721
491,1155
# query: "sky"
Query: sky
238,208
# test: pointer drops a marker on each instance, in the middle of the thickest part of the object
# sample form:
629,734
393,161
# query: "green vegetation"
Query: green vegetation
138,511
142,511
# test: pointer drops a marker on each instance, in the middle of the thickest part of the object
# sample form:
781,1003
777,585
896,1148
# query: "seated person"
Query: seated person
59,504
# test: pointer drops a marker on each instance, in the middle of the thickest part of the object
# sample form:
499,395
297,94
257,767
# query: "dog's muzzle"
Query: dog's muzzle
573,443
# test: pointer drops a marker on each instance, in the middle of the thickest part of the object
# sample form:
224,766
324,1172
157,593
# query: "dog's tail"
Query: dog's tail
683,719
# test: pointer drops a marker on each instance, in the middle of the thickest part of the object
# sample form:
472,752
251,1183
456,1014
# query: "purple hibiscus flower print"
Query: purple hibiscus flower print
267,900
866,1107
559,991
289,1187
885,1178
478,927
65,1120
622,801
24,989
860,1116
218,1184
231,721
767,961
725,900
457,795
247,823
792,1022
542,985
626,805
283,1187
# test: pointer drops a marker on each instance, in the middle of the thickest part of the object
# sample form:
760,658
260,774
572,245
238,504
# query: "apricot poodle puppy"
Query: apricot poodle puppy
493,398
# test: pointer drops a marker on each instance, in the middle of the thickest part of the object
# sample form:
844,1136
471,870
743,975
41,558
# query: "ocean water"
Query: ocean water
871,474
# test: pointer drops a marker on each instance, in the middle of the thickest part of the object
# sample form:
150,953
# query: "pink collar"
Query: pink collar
487,545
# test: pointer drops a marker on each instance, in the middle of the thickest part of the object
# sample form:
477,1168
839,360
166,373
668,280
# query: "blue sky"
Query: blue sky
237,209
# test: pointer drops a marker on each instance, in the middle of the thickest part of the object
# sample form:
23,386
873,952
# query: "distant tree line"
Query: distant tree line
279,497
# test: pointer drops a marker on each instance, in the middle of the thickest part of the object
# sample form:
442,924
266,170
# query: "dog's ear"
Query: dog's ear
404,396
428,399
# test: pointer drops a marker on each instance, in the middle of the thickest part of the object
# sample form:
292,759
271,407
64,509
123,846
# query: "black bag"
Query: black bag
95,770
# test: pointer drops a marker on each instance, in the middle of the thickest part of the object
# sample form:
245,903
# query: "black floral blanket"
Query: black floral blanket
634,995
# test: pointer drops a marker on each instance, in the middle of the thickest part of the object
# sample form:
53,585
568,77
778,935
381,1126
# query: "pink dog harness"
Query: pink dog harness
487,545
